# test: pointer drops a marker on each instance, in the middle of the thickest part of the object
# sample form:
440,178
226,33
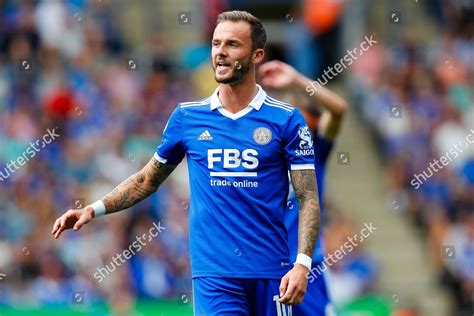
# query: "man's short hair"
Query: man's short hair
257,31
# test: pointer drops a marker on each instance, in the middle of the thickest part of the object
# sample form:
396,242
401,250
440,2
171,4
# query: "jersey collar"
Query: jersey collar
256,102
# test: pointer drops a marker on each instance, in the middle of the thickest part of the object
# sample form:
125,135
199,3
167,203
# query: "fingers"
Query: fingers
58,226
267,81
61,223
63,219
58,232
264,67
283,285
82,220
272,64
287,299
298,297
55,226
292,291
268,67
294,295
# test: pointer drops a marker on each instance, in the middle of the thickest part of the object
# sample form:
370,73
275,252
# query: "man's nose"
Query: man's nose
221,51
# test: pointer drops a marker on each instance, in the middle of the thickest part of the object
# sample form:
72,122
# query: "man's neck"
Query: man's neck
235,98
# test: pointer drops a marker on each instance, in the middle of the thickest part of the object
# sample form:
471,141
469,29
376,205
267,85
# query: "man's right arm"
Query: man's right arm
138,186
128,193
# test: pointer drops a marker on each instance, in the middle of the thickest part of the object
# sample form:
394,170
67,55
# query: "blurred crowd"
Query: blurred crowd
62,70
418,98
67,69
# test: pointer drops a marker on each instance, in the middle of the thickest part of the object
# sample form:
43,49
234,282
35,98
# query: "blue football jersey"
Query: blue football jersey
291,218
238,172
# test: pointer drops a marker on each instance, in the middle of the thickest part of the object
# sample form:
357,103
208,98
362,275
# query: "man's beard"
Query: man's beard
237,75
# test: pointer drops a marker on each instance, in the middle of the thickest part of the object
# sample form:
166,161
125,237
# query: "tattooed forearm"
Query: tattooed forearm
138,186
306,191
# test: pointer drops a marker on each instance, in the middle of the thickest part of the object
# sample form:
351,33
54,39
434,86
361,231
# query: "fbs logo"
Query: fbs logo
232,158
306,142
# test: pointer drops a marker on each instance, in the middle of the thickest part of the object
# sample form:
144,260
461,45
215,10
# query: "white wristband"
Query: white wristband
304,259
99,208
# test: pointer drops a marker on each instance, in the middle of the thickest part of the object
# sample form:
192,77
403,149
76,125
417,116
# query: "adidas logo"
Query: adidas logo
205,135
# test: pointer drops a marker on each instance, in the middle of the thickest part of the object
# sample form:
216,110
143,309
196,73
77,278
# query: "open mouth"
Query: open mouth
222,66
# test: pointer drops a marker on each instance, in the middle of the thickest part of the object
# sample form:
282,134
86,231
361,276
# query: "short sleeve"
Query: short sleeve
171,150
299,146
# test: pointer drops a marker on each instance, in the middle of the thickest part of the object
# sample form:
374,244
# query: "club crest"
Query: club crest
262,135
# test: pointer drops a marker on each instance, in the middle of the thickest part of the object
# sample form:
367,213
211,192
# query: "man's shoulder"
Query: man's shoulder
195,104
279,111
278,106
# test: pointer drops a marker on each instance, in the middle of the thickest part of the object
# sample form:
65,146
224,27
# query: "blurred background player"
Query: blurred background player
324,112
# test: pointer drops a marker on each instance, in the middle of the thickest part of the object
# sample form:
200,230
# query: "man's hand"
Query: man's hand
72,219
276,74
293,285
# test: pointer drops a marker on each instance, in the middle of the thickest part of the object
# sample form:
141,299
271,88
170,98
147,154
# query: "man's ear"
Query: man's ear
258,56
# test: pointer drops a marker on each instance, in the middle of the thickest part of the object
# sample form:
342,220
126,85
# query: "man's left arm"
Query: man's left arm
293,284
306,191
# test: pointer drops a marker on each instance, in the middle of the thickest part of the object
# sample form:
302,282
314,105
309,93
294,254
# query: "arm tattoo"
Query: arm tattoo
306,191
138,186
